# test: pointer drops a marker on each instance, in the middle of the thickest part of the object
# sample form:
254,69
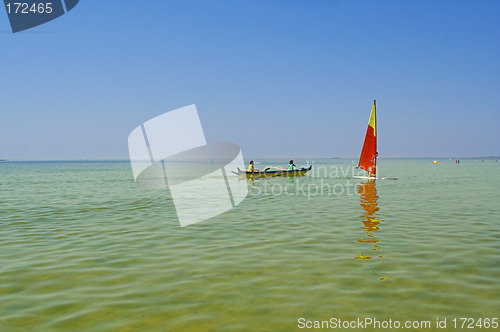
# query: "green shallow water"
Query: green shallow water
84,248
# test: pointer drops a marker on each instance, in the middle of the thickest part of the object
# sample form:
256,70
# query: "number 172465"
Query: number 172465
471,323
25,8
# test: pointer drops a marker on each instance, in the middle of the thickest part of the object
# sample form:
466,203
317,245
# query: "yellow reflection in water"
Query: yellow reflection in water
368,199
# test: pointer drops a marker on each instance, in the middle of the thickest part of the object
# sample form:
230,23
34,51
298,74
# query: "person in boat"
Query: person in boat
291,165
251,168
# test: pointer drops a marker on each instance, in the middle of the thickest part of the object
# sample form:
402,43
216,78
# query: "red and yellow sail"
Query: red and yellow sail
368,158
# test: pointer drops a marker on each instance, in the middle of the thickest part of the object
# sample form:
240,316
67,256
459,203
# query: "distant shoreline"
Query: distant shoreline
256,158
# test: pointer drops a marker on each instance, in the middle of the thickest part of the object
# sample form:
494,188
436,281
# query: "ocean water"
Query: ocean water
84,248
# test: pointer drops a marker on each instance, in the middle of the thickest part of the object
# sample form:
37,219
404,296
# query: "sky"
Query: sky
280,78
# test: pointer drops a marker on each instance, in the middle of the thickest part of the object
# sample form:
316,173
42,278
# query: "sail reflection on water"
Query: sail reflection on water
368,199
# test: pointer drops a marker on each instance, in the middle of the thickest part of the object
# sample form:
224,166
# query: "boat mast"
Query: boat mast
376,134
368,157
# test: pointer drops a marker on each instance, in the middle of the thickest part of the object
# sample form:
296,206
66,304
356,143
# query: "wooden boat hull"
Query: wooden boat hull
269,174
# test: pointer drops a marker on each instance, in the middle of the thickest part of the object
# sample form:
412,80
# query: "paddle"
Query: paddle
279,169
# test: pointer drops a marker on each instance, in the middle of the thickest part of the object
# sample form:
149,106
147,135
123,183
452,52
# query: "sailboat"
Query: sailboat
369,154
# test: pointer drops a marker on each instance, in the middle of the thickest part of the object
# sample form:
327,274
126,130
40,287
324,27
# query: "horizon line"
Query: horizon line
329,158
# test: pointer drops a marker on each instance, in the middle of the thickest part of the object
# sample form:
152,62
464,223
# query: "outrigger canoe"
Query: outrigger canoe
268,173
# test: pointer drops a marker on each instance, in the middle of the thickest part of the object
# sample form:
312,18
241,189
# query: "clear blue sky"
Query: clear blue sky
279,78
